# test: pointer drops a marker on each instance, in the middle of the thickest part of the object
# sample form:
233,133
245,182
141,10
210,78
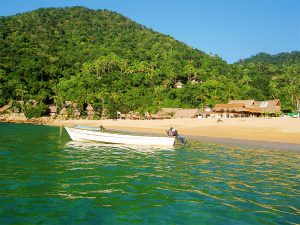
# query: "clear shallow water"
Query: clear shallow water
47,179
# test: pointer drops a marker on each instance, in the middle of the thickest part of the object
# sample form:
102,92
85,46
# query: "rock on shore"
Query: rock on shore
20,118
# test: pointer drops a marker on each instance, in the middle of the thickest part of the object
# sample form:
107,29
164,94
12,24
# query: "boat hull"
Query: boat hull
106,137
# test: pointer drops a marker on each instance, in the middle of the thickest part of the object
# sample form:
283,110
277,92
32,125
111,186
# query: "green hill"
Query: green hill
105,59
284,58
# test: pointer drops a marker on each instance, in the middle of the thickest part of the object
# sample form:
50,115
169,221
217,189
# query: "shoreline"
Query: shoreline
279,133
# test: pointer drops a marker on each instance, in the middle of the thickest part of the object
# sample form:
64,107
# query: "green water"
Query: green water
47,179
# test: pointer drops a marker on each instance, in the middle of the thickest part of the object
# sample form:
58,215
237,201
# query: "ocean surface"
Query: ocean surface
45,178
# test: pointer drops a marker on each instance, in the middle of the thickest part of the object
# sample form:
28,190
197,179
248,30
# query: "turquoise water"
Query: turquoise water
47,179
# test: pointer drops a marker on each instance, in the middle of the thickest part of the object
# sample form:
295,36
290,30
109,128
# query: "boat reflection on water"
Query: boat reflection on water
117,147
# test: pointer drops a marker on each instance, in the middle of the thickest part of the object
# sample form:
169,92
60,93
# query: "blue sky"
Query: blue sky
232,29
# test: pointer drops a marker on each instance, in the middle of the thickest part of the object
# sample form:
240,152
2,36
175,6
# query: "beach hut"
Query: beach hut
231,110
166,113
186,113
90,110
52,110
272,107
178,85
76,112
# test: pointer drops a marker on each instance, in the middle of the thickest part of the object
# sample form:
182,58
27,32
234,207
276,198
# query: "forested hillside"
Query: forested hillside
97,56
281,59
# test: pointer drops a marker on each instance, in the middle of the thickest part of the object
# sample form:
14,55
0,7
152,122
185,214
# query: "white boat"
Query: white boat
78,134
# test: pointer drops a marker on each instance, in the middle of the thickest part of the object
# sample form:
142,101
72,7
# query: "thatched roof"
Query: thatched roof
247,103
271,106
178,84
186,113
237,107
52,108
89,108
165,113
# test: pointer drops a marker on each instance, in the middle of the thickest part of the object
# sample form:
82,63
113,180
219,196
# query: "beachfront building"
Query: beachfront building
52,110
176,113
186,113
246,108
165,113
205,112
270,107
230,110
90,110
70,109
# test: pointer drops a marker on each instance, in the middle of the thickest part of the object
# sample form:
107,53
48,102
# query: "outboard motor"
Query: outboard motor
181,139
172,132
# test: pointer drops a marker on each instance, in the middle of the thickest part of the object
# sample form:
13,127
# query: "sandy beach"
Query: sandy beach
281,130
